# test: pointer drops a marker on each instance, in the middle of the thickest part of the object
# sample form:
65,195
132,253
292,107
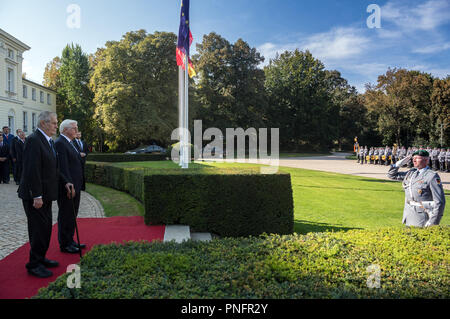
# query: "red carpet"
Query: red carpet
16,283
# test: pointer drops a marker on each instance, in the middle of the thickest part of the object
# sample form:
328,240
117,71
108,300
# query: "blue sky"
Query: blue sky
413,34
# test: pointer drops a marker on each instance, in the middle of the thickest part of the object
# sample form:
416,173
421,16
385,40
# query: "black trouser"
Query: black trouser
39,230
4,171
18,171
66,219
14,168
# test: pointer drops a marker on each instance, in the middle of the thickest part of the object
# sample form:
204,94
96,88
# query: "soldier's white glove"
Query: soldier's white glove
403,161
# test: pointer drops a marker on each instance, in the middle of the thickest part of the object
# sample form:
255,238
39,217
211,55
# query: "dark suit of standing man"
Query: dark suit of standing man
8,138
38,189
70,163
84,151
18,153
13,155
4,161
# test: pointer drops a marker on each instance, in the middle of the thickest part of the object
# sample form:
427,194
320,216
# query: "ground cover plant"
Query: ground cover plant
412,263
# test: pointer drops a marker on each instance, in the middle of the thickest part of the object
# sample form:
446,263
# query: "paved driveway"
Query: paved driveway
337,163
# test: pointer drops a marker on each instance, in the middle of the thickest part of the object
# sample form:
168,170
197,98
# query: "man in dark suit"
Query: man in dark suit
38,188
84,151
70,163
8,138
18,154
4,161
12,152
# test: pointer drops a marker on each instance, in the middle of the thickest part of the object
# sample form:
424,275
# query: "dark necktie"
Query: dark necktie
75,146
52,146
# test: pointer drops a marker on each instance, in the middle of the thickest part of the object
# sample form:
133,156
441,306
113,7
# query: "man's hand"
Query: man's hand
2,159
37,203
83,154
403,161
70,190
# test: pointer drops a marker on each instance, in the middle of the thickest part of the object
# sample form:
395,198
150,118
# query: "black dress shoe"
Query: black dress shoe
82,246
50,263
70,249
40,271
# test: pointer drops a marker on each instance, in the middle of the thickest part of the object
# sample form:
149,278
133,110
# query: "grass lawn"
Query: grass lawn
115,203
330,201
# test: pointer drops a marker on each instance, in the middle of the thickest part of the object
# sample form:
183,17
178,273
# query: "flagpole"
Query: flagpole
186,113
180,112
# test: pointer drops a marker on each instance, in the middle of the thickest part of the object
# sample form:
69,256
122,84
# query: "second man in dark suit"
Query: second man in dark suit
70,163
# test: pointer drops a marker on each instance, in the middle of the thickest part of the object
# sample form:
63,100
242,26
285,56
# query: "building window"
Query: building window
41,95
33,121
10,80
25,91
48,99
33,94
11,54
25,121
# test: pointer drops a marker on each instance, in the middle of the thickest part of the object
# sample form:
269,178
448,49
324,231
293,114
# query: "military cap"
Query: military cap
421,153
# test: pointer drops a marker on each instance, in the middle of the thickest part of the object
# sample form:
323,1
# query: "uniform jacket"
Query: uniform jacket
426,186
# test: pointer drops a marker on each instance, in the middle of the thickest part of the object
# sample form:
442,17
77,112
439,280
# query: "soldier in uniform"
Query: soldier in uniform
361,155
388,153
441,159
370,155
434,159
447,161
424,194
409,155
366,153
381,154
375,153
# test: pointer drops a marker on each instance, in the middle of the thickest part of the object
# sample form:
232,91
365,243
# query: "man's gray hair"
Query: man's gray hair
45,117
66,124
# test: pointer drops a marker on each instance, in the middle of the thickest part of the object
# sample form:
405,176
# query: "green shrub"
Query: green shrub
115,158
228,202
414,263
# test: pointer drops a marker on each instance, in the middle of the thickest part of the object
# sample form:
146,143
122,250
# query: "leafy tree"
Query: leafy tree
230,87
135,85
73,90
352,114
401,103
440,110
299,101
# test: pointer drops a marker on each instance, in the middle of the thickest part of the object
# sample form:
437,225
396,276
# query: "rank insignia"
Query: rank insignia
438,181
420,191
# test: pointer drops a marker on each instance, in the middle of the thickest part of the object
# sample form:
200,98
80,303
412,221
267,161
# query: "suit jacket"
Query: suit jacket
4,150
70,164
84,149
18,150
8,139
40,175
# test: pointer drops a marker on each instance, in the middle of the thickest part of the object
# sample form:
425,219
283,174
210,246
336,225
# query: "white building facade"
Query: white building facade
21,100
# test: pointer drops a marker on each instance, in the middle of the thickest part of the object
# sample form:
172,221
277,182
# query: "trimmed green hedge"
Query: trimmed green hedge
115,158
414,263
228,202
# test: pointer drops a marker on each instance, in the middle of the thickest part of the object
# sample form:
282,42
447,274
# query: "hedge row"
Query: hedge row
412,263
114,158
231,202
